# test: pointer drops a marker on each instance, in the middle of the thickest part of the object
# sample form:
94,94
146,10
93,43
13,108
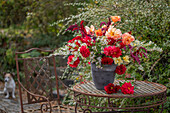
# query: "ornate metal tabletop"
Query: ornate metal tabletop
148,96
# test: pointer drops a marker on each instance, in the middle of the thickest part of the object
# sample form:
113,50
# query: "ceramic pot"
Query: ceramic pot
104,76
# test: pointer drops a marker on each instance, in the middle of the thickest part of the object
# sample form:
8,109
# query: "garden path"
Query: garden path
13,105
9,105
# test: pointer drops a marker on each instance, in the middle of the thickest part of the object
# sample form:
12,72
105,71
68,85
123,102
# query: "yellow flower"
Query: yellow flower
126,59
118,60
77,78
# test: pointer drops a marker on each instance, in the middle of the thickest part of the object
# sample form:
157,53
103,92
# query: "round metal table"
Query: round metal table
147,97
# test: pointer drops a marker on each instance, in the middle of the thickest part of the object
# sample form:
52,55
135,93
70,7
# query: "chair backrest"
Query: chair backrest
39,78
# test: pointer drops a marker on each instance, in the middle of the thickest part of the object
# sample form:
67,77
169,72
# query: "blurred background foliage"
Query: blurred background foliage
41,23
26,23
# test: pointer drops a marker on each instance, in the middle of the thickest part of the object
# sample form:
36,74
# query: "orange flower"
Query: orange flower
99,32
113,33
115,18
127,38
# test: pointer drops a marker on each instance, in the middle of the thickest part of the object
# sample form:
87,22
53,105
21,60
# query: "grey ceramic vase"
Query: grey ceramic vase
104,76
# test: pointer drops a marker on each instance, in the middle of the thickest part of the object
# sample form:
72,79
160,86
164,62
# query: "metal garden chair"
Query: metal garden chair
38,80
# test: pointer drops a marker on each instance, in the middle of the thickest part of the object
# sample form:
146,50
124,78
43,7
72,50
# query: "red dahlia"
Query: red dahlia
111,41
112,51
117,88
107,60
87,40
84,51
122,45
127,88
73,41
120,69
110,88
75,64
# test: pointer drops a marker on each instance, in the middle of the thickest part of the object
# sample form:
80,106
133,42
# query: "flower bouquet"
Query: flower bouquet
105,48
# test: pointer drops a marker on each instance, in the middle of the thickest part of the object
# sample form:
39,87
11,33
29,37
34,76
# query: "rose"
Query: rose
84,51
75,64
127,88
127,38
112,51
120,69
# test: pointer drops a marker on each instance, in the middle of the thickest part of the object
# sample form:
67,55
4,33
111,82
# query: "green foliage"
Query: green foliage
12,12
41,14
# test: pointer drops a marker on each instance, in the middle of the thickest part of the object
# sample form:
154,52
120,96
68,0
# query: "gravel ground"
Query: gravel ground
13,105
9,105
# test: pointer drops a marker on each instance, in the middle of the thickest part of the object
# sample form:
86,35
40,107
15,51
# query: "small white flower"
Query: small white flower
141,68
71,49
79,42
97,39
99,58
83,44
150,42
75,52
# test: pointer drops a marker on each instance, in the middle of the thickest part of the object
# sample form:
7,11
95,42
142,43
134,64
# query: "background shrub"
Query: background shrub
26,24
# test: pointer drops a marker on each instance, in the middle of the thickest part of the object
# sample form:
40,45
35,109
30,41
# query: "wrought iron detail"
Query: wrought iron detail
37,79
149,97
